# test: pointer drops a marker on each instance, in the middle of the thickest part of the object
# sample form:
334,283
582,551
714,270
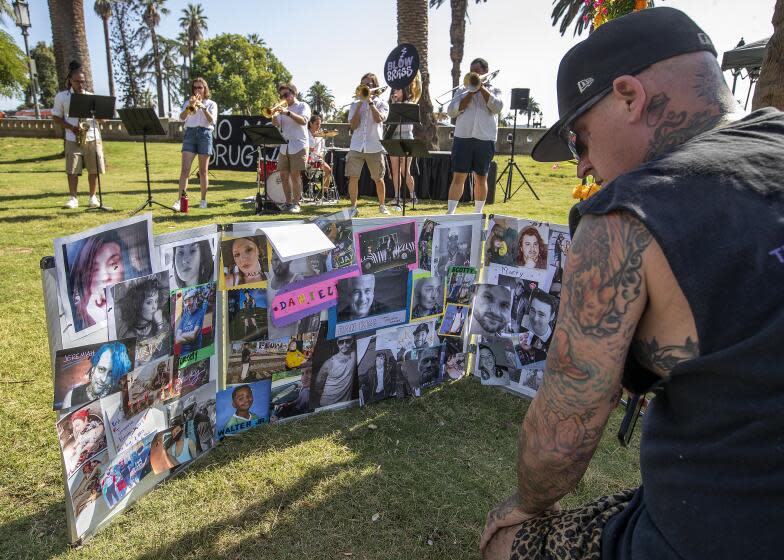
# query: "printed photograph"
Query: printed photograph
254,361
492,363
338,228
291,394
427,296
247,314
385,247
530,381
403,342
521,296
140,309
242,407
281,275
492,310
190,263
193,313
425,244
193,376
451,247
557,253
334,371
89,262
459,284
244,262
501,244
538,323
128,430
455,360
531,248
126,471
82,434
371,301
455,318
425,369
148,386
378,373
84,490
192,426
90,372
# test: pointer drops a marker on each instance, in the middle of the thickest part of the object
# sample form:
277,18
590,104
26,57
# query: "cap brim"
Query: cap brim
551,147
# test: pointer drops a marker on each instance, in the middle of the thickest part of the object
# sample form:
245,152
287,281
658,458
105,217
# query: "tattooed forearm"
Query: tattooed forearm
603,283
663,359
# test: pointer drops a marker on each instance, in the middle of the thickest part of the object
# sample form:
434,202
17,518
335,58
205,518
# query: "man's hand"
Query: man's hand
506,514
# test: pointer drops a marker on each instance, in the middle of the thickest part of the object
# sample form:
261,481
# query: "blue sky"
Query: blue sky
337,41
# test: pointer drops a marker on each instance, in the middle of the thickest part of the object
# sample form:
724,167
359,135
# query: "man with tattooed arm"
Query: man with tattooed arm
686,230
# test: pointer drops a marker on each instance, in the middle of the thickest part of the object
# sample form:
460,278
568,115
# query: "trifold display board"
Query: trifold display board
162,346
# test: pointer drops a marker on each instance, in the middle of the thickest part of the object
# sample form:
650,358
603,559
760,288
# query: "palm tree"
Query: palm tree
5,11
168,57
69,39
412,28
459,10
194,23
567,11
153,9
533,109
770,87
320,99
103,9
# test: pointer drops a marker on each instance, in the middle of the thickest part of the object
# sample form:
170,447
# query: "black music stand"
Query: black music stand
93,107
400,114
143,122
512,166
262,136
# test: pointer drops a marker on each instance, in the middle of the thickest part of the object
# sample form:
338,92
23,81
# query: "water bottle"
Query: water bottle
184,203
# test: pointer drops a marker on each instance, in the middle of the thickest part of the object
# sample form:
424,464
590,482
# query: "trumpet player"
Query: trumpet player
365,117
476,108
78,155
199,113
292,116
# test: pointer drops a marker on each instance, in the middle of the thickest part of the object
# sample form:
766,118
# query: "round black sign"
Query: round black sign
401,66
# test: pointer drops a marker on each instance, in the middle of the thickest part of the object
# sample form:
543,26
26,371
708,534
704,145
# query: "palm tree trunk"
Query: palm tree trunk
108,55
457,37
69,39
158,73
770,87
412,28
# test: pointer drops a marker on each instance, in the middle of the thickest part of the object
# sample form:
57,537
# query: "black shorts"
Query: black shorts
470,154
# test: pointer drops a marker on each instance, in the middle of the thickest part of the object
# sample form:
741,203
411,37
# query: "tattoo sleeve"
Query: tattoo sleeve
603,298
663,359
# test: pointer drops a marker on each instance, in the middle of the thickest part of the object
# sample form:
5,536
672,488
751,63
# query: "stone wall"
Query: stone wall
114,130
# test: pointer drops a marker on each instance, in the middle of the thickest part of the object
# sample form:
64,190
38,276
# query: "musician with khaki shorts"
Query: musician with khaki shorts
292,119
365,117
78,156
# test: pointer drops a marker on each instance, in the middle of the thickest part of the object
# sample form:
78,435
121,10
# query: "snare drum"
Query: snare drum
316,164
275,188
271,167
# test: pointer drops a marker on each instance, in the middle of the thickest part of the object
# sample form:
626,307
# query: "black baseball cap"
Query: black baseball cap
626,45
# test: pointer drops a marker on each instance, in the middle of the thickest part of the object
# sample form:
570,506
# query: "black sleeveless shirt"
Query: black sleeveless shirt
712,450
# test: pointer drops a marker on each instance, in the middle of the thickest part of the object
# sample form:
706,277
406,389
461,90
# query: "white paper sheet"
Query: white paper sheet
297,240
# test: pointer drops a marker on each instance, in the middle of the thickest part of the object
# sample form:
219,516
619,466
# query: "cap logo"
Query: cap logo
582,85
704,39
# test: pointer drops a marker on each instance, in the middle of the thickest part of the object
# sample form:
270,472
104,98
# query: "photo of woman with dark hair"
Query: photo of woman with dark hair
531,249
143,312
244,260
193,264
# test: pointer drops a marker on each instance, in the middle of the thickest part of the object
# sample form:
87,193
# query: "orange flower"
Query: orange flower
640,5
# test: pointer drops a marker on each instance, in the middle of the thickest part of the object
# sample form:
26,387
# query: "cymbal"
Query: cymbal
330,133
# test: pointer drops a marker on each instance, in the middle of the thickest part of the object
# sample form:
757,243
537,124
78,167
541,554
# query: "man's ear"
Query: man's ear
630,91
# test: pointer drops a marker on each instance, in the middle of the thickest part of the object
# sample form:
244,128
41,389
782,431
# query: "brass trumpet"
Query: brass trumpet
81,135
268,112
363,92
191,108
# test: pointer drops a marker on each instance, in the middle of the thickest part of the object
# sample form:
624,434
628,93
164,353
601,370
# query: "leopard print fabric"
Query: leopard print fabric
568,535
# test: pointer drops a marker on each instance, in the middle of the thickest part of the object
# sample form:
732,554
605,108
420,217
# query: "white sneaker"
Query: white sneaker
72,203
203,204
94,202
176,205
383,209
295,209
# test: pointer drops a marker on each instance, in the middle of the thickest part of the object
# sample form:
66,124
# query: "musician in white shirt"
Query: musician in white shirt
78,156
199,114
365,118
318,149
293,156
397,165
476,129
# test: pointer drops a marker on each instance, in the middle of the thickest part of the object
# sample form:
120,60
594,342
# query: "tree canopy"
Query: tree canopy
242,74
13,67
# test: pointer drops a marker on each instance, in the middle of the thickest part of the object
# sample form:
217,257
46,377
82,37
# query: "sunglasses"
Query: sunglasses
285,94
568,134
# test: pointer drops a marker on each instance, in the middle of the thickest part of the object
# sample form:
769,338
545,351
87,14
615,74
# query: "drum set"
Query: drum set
313,191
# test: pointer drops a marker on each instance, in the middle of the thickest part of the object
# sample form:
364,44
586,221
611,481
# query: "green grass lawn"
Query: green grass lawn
431,469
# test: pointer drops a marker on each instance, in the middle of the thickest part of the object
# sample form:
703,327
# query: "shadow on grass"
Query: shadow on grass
44,534
51,157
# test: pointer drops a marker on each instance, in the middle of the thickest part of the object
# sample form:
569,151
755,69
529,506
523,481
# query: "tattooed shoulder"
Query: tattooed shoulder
663,358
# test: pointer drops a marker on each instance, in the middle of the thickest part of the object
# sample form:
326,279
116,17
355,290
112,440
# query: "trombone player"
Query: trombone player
475,107
291,117
365,117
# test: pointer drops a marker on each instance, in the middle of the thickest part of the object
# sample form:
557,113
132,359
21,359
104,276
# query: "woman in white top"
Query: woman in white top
318,148
199,113
397,165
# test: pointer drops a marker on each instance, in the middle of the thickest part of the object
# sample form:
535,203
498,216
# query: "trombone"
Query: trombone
268,112
471,82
